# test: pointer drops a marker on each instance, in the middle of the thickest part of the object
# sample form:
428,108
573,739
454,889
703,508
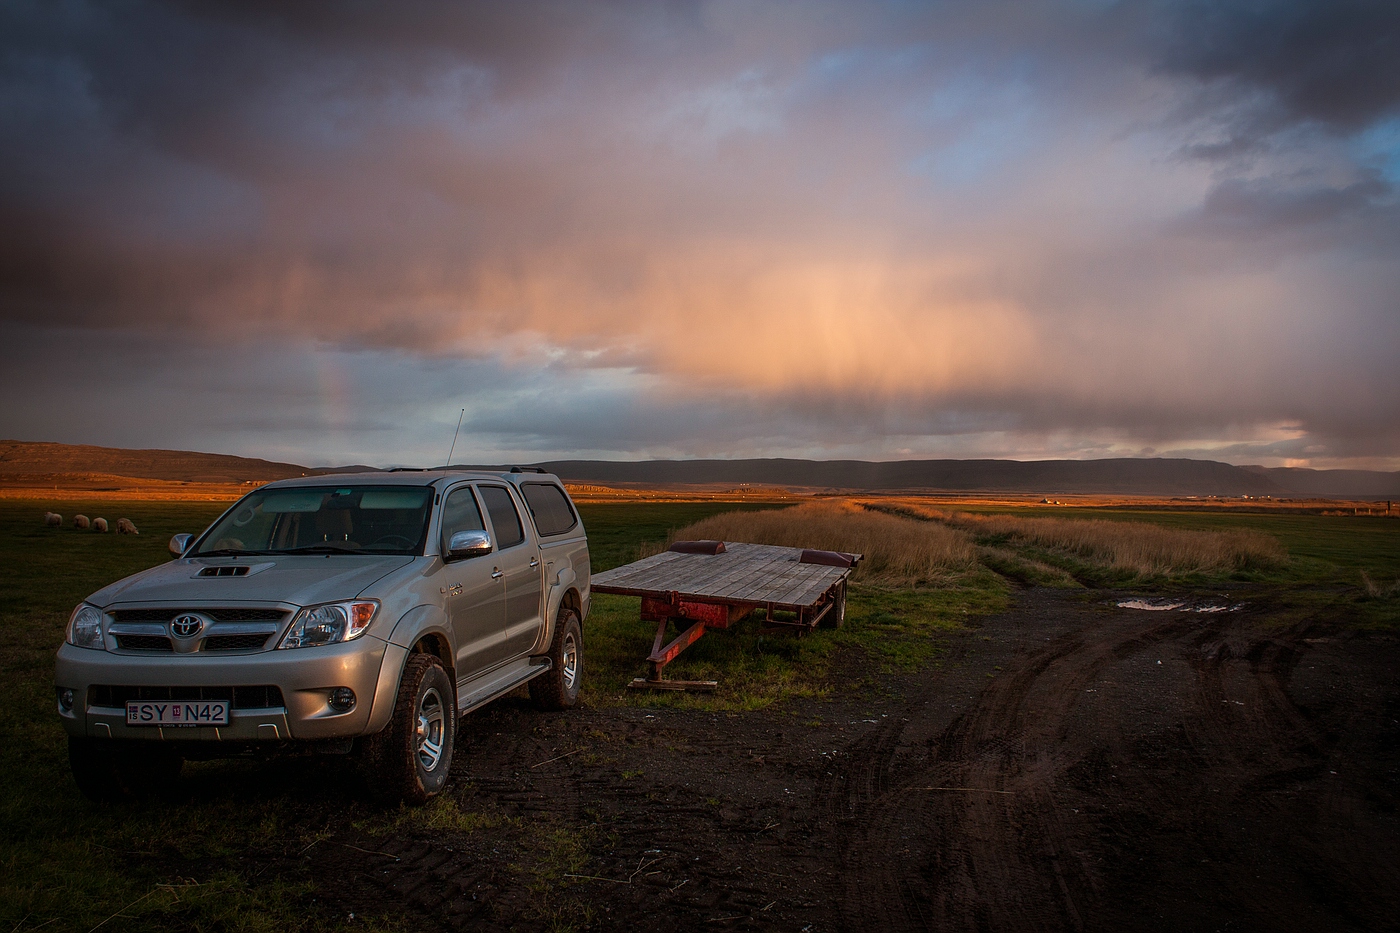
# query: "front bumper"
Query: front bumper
306,676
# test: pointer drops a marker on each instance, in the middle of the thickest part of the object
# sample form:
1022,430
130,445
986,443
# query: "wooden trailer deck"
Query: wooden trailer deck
750,573
702,585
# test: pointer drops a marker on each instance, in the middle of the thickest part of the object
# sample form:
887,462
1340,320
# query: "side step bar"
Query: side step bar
499,682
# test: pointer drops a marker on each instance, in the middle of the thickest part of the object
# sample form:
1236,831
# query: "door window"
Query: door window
460,513
504,518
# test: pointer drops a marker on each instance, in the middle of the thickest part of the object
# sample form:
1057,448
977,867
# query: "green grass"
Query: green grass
1324,548
1342,567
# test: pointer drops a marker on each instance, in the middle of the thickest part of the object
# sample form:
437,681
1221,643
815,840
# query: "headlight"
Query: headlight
85,627
329,624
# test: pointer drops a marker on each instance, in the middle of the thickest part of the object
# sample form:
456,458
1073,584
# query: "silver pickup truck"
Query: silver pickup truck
358,613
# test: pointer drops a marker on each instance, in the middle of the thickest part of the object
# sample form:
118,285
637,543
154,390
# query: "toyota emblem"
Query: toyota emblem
185,626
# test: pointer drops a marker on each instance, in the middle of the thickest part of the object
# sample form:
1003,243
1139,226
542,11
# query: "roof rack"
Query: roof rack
518,469
406,470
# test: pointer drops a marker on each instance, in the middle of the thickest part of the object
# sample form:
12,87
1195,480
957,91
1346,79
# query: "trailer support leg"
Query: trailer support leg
661,656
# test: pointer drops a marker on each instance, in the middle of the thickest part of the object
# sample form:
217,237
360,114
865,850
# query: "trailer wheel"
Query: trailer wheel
837,615
410,759
558,688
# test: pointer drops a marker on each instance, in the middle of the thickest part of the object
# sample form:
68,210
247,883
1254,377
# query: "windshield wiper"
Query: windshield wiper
226,552
321,549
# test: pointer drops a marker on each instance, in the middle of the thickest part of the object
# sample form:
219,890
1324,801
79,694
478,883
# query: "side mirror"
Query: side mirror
468,544
180,544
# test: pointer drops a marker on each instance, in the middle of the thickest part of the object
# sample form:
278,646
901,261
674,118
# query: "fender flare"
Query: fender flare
413,625
560,588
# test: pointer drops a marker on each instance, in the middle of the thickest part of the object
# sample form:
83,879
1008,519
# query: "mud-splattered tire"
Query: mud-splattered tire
108,770
558,687
837,616
409,761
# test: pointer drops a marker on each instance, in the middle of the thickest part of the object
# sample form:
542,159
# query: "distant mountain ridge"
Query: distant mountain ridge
1360,484
1123,476
41,457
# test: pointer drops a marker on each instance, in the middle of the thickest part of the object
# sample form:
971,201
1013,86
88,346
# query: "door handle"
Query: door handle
535,561
496,574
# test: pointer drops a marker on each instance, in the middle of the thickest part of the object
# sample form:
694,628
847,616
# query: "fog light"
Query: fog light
65,698
342,699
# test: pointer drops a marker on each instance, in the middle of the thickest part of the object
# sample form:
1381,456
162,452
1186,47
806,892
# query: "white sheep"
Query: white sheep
81,521
53,519
125,527
99,524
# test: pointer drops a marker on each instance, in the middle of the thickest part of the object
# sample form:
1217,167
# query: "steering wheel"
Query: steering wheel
393,541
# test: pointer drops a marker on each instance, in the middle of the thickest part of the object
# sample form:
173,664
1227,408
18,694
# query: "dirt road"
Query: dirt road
1066,765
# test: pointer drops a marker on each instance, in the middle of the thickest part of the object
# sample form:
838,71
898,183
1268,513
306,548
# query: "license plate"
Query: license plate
177,713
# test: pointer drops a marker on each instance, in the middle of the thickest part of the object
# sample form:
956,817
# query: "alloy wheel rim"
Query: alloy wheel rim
432,730
570,661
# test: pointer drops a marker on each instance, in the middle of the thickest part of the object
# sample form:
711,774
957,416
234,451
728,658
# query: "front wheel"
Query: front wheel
558,687
410,759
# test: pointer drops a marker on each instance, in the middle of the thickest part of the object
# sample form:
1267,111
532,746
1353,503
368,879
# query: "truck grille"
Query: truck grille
233,628
144,642
257,697
236,642
234,614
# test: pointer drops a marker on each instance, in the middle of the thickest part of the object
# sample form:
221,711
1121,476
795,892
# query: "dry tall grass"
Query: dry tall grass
1139,547
897,550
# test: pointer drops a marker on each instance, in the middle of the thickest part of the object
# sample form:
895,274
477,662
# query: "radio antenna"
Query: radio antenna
454,436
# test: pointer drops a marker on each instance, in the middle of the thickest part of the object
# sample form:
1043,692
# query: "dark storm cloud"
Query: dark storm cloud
1256,206
1336,62
709,228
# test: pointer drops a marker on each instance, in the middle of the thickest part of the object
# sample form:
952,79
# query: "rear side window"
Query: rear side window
504,518
549,507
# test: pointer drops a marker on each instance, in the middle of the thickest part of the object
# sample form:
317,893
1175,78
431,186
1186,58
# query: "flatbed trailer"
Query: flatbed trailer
704,585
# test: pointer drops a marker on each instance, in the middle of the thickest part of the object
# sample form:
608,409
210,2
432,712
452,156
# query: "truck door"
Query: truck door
519,561
474,599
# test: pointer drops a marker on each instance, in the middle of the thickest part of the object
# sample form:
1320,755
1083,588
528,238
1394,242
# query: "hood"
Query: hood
300,579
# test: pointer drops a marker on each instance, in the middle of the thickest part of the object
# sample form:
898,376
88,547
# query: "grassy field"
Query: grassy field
66,864
1322,548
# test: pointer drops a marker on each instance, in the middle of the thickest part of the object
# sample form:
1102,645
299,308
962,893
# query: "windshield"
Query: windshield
323,520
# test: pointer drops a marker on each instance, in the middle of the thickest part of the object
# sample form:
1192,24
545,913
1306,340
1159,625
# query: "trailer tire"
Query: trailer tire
837,616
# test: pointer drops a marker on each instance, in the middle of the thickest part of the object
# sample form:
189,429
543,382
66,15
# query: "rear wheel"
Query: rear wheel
558,687
409,761
109,770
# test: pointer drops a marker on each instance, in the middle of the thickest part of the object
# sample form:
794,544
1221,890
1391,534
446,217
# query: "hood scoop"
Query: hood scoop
224,572
233,570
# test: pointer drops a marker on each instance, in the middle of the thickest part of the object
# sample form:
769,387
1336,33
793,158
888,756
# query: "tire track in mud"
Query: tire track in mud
1246,719
990,850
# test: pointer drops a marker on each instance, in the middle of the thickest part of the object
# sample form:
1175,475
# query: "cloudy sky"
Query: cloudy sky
634,230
